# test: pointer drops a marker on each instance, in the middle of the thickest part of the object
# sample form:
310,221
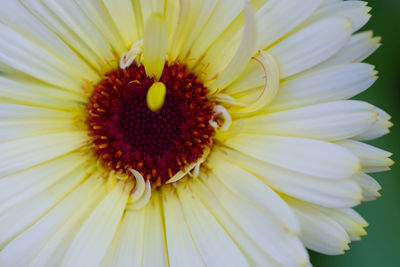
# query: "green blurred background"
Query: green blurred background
381,247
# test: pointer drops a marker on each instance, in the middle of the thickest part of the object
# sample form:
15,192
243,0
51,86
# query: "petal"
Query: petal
358,48
35,238
214,244
155,42
329,121
319,232
26,213
369,186
249,187
330,84
372,159
271,26
308,156
252,248
155,247
21,186
178,234
242,56
378,129
23,153
129,244
96,234
319,190
311,45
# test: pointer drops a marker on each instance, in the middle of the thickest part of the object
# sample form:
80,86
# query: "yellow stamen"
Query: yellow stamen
156,96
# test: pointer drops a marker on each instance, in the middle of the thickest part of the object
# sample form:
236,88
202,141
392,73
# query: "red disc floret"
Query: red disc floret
126,134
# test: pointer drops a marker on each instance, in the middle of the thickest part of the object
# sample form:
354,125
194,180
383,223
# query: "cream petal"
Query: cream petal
14,15
307,156
95,235
24,55
214,244
329,121
28,212
20,92
358,48
274,239
55,245
325,192
249,187
319,232
378,129
271,26
129,244
330,84
155,42
35,238
222,16
123,15
21,186
253,252
349,219
246,50
155,246
73,25
372,159
311,45
178,234
370,187
23,153
356,11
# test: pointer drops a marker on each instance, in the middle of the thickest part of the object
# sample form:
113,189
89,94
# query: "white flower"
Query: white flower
184,133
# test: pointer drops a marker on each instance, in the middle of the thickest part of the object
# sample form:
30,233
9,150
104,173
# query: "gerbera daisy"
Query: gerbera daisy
184,133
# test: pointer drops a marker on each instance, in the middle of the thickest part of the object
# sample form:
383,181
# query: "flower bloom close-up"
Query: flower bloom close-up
184,133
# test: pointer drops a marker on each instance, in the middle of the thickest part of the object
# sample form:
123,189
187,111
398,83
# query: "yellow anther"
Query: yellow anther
156,96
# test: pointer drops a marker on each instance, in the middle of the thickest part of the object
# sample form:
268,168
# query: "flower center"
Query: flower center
127,133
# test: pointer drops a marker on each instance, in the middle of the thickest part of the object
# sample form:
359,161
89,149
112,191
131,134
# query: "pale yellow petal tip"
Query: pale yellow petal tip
156,96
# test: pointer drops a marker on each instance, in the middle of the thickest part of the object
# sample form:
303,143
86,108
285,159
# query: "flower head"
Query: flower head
184,133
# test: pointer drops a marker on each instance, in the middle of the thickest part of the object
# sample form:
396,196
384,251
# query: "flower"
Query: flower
182,133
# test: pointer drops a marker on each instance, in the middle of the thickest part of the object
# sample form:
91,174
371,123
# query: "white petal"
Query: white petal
129,244
177,233
311,45
356,11
335,83
272,27
34,239
18,187
358,48
372,159
325,192
249,246
154,246
319,232
349,219
281,245
155,42
213,243
94,237
122,13
16,16
329,121
242,56
56,245
308,156
369,185
74,26
249,187
22,54
378,129
25,214
23,153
